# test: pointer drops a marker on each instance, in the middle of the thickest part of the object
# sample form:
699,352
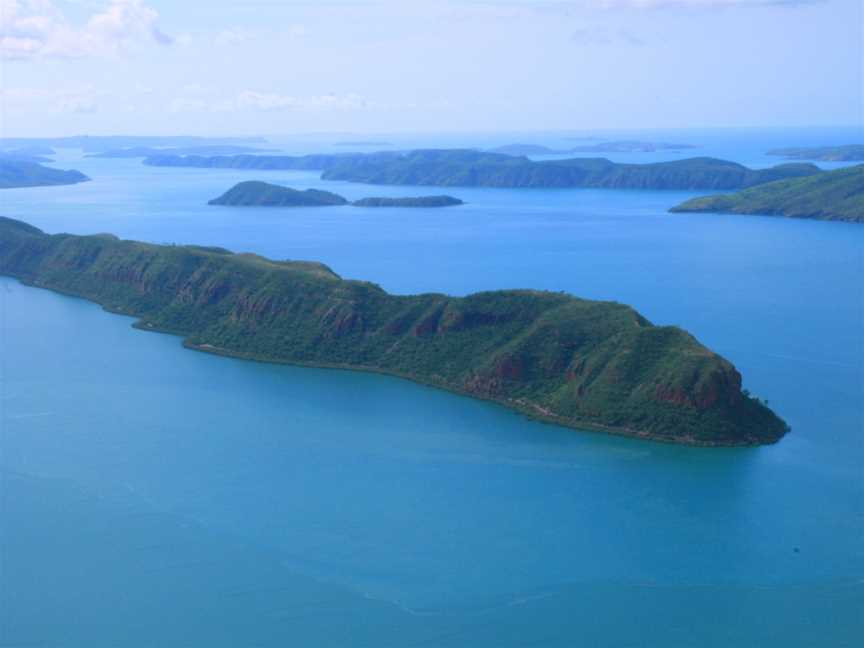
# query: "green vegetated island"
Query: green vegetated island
254,193
579,363
833,195
468,168
15,173
845,153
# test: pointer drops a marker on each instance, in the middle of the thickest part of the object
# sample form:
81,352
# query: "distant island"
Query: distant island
468,168
526,149
262,194
38,154
580,363
16,173
631,146
97,143
833,195
145,151
846,153
604,147
419,201
254,193
362,143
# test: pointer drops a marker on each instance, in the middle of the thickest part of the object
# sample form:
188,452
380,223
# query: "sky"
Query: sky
244,67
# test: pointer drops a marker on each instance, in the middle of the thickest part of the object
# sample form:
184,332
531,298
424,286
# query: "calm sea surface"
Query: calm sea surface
153,496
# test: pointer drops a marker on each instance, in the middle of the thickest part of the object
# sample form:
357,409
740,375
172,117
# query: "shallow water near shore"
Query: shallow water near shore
156,496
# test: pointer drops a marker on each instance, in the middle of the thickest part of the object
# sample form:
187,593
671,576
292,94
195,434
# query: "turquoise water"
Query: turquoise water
153,496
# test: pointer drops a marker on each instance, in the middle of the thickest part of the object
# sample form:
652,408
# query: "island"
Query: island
96,143
526,149
605,147
362,143
579,363
16,173
146,151
38,154
631,146
470,168
833,195
419,201
845,153
254,193
313,162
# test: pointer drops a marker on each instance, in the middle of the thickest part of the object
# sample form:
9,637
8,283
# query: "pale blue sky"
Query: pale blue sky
268,66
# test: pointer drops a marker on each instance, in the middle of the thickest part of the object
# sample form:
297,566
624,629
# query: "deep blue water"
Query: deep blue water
153,496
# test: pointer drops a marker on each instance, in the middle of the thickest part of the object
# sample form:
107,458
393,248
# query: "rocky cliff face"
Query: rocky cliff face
577,362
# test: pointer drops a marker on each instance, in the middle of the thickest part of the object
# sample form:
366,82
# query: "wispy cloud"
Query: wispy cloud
31,29
76,99
665,4
196,98
571,5
331,101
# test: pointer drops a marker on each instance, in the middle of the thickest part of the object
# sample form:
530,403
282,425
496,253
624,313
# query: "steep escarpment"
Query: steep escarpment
576,362
470,168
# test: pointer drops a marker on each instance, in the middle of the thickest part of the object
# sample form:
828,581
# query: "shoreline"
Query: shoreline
530,410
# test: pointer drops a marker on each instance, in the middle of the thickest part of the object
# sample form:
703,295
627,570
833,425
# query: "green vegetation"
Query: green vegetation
262,194
255,193
472,168
846,153
833,195
467,168
25,173
553,356
420,201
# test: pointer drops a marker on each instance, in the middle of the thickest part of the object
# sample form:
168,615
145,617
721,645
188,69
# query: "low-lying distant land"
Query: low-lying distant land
626,146
833,195
468,168
39,154
580,363
413,201
845,153
362,143
17,173
99,143
146,151
254,193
